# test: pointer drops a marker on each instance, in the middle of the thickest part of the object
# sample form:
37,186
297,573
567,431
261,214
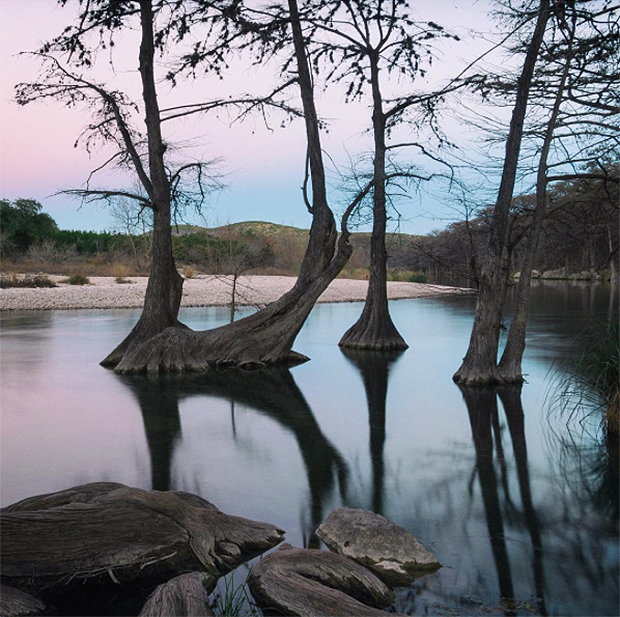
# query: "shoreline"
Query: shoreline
202,291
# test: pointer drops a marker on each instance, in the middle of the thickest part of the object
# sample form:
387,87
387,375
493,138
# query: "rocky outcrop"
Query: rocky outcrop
387,549
314,583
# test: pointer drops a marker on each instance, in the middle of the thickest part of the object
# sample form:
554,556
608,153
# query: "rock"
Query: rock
16,603
183,596
517,275
560,273
313,583
387,549
107,534
536,274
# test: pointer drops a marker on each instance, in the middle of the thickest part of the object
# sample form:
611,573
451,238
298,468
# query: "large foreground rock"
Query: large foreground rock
102,534
314,583
371,539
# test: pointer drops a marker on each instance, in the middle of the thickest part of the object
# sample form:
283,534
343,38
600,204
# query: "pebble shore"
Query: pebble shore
106,293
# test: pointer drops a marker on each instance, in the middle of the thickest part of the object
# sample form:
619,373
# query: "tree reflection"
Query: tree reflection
374,368
271,392
484,419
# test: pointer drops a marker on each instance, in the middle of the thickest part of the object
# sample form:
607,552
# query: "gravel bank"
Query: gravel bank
105,293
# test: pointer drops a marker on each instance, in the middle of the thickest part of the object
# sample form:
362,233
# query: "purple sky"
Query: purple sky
263,169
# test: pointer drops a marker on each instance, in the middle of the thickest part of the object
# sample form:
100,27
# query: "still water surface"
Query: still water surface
513,502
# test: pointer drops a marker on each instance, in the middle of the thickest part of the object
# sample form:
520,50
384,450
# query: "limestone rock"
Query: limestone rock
387,549
314,583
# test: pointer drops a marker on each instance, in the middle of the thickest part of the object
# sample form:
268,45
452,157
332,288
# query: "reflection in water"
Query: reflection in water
374,368
271,392
484,418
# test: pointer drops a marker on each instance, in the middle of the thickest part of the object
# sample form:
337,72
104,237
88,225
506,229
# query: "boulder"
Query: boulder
314,583
387,549
560,273
183,596
107,534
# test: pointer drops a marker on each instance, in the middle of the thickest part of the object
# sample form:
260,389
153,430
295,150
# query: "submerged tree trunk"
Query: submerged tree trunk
479,366
267,336
375,329
509,369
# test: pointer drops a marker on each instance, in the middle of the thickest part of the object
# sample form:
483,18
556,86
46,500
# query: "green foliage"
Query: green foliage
26,280
231,600
23,224
77,279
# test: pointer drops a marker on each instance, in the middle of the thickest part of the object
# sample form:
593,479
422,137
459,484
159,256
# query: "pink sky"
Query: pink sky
263,169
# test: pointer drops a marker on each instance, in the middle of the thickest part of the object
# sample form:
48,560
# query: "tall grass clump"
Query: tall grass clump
234,600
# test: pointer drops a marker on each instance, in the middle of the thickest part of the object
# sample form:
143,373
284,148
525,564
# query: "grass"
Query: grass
76,279
26,280
233,600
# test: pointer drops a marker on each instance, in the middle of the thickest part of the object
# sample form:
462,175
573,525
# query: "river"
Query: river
517,499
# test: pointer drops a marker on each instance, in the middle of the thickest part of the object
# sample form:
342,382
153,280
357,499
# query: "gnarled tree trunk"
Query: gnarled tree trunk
267,336
479,366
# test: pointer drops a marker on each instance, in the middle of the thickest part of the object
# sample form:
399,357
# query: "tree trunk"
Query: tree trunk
163,293
510,369
267,336
479,366
375,329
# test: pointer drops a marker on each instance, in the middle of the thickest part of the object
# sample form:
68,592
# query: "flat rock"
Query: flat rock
389,550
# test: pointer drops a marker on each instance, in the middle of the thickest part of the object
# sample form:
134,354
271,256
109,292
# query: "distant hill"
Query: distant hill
251,228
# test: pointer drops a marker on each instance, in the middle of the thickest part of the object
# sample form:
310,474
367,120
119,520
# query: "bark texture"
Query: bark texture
183,596
312,583
109,534
479,366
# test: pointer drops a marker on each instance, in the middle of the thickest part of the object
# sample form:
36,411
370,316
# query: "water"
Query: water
512,501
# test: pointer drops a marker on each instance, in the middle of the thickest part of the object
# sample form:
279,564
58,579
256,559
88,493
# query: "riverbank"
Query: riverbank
106,293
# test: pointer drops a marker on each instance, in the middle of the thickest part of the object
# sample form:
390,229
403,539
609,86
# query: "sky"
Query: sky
262,169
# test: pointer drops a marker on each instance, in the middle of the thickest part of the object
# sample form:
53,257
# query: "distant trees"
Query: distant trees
23,224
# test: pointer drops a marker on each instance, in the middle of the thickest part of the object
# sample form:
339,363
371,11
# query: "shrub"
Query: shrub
77,279
26,280
120,272
418,277
189,272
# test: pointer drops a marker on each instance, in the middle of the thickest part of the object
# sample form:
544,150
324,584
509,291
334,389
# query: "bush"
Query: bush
77,279
418,277
189,272
120,272
26,280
